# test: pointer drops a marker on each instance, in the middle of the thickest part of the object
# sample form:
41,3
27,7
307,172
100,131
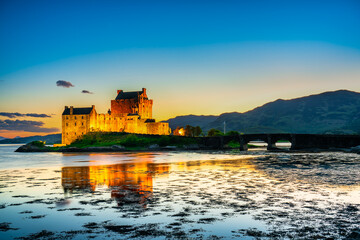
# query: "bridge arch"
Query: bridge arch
270,139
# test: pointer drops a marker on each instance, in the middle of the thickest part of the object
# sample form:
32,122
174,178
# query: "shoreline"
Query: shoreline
186,148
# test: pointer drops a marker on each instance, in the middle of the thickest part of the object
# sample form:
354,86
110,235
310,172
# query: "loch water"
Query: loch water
186,195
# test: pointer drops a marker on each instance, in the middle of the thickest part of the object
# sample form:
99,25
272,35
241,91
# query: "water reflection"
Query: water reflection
193,196
129,183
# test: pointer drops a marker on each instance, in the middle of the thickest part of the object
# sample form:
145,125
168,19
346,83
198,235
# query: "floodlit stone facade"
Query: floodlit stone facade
130,112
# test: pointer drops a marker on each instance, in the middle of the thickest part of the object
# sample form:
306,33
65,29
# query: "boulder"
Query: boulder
118,147
36,146
154,146
98,149
355,149
171,147
191,147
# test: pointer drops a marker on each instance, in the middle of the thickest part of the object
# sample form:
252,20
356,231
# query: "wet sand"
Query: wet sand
260,195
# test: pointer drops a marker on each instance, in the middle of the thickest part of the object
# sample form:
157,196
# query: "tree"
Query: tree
197,131
232,133
189,131
214,132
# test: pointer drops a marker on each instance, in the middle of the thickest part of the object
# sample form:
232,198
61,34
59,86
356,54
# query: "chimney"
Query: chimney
71,110
119,91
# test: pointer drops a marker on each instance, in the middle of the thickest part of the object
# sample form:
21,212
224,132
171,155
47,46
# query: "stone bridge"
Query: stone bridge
298,141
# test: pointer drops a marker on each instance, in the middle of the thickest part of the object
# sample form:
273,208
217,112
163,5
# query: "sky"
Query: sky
194,57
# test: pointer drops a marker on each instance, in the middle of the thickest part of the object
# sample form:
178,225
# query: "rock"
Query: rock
355,149
192,147
118,147
170,147
70,149
153,146
354,235
98,149
35,146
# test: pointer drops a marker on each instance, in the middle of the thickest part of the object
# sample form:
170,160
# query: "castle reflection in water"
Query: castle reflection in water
133,182
129,183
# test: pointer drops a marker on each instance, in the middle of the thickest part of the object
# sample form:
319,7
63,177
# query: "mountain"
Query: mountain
328,112
2,138
193,120
50,139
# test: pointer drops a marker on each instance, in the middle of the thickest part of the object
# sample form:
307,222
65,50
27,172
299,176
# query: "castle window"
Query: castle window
67,124
75,124
75,117
75,134
82,124
67,118
82,117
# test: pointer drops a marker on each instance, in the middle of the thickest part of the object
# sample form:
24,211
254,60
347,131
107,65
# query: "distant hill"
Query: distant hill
193,120
50,139
2,138
329,112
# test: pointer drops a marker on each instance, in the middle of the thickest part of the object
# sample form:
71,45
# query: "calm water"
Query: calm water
179,195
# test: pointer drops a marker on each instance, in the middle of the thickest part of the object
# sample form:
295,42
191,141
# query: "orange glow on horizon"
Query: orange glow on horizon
13,134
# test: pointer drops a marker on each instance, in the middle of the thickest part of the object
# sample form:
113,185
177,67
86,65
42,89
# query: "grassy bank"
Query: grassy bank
129,140
100,141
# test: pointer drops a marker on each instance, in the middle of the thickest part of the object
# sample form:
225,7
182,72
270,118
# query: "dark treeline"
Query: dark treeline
192,131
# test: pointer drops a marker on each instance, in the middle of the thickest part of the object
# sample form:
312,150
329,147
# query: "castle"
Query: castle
130,112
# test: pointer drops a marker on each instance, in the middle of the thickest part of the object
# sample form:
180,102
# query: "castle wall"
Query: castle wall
140,105
119,120
123,106
74,126
158,128
145,108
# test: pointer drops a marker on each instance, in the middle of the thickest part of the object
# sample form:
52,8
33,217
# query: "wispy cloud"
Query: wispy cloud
65,84
86,91
16,114
24,125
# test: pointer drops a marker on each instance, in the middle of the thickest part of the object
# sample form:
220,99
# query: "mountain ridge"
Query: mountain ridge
49,139
331,112
335,112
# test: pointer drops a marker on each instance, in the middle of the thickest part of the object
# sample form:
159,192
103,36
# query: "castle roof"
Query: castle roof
78,111
128,95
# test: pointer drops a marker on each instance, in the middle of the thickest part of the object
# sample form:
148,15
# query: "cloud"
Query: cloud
16,114
63,83
24,125
86,91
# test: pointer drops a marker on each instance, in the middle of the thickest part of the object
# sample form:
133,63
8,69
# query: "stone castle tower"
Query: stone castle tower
132,103
130,112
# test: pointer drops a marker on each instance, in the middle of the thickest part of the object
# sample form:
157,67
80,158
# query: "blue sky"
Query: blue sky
223,55
36,32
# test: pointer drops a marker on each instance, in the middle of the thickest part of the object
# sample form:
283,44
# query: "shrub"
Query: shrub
38,143
214,132
232,133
